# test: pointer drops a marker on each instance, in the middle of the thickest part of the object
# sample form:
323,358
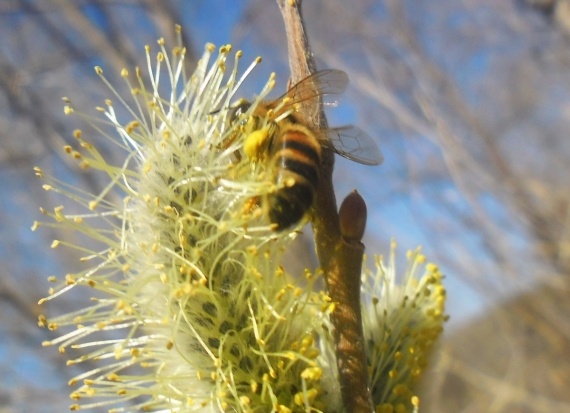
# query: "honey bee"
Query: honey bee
292,151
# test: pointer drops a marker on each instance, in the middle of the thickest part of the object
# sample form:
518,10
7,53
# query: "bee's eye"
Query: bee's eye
238,110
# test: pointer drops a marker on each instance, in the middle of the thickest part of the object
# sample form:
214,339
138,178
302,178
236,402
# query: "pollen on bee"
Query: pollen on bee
290,182
255,141
251,205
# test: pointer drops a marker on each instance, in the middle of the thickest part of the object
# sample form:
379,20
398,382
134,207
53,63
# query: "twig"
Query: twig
340,257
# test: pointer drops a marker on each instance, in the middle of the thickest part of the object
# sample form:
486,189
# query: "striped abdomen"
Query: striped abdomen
296,158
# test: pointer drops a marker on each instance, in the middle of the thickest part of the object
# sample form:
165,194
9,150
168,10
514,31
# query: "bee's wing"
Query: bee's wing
311,88
353,143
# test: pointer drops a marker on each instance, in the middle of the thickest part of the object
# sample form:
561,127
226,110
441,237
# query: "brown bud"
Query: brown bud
352,217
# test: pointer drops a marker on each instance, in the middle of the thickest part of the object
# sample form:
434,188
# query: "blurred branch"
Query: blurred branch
29,105
91,34
56,32
115,35
515,395
20,301
473,175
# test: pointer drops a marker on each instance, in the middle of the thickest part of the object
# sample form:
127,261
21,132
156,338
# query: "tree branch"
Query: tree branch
339,258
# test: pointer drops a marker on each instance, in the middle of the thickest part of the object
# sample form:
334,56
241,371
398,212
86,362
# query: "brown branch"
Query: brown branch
339,259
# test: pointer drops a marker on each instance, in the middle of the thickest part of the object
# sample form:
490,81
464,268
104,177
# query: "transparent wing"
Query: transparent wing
353,143
310,89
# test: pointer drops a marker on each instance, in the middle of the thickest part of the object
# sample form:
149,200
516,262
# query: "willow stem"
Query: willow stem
340,261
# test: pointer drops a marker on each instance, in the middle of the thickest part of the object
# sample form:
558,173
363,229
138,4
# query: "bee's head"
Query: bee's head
238,109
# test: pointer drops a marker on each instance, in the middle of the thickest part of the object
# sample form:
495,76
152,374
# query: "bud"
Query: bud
352,217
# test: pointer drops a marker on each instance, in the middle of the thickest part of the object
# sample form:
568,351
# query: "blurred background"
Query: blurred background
469,101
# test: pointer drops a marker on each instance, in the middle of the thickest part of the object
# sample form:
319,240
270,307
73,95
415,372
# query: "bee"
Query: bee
292,151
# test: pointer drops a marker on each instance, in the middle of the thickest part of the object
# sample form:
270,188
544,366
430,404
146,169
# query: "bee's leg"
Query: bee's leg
226,143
